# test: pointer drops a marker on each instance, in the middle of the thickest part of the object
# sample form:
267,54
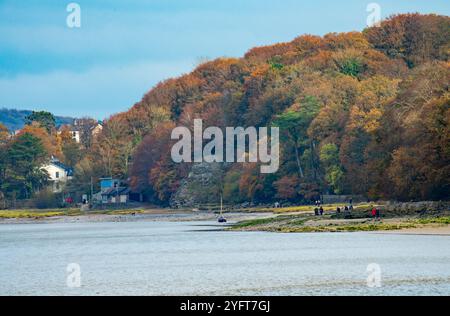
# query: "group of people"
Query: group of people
347,210
318,210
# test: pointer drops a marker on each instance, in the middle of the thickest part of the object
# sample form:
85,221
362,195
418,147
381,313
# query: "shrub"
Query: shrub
47,199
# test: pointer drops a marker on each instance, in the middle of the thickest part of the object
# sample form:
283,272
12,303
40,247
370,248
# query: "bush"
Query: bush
47,199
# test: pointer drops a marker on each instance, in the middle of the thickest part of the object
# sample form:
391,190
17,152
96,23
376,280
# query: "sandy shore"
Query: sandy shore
148,215
262,221
438,230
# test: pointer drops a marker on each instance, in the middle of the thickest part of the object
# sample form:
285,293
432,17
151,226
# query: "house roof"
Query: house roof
59,164
116,191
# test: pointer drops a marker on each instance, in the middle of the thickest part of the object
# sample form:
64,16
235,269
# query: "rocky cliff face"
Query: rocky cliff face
202,186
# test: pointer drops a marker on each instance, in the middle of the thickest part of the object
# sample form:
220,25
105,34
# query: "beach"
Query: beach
283,220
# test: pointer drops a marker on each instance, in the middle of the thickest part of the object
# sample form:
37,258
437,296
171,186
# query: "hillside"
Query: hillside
360,113
15,119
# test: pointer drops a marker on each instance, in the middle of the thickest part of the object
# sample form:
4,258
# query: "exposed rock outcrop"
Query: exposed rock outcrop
202,186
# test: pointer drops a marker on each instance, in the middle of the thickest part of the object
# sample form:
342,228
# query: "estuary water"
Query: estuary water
193,258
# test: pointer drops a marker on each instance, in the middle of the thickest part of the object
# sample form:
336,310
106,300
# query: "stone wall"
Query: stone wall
331,199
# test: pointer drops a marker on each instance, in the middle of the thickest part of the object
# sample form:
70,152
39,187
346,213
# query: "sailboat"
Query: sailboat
221,219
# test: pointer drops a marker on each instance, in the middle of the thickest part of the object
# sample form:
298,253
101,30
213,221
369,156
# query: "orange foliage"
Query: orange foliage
51,143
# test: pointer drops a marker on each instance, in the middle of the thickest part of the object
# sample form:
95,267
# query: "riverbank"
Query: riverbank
308,223
411,218
130,215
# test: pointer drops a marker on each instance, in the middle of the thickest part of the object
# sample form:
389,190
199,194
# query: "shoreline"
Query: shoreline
423,231
426,221
140,216
286,220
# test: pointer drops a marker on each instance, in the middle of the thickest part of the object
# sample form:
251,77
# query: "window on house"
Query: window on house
57,175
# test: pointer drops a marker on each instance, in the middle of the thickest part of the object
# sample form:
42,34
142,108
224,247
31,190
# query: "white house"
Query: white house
75,136
58,173
97,129
82,126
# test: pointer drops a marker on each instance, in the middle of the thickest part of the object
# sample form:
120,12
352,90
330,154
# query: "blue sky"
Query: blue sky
124,48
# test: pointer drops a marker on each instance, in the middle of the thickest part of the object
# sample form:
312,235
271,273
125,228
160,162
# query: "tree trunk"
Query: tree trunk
297,157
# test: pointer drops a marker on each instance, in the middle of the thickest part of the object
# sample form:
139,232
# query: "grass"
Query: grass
38,213
260,221
124,212
302,223
433,220
305,208
35,213
346,228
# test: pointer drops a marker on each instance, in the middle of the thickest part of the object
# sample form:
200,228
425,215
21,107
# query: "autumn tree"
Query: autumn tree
413,37
287,188
359,113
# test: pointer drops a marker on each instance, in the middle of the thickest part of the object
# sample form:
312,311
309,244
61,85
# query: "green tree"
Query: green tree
72,153
334,175
43,118
23,173
351,67
294,123
329,155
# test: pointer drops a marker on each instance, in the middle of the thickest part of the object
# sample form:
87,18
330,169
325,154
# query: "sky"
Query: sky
124,48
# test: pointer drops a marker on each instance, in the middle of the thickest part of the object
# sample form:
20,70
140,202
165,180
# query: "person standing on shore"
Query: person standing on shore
374,213
377,214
